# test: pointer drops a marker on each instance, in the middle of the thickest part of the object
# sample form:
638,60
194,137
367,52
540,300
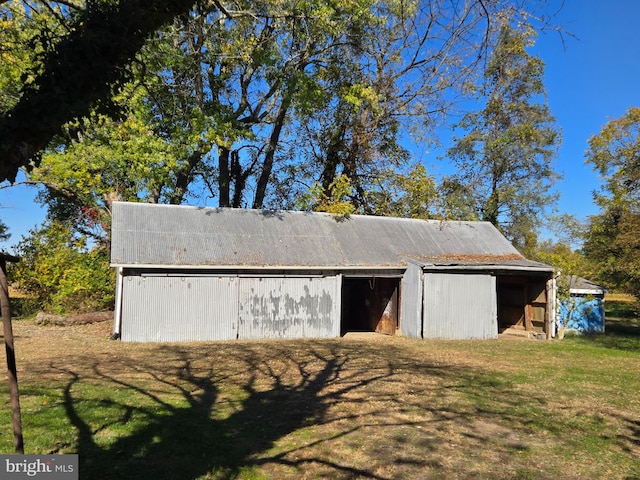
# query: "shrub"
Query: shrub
62,273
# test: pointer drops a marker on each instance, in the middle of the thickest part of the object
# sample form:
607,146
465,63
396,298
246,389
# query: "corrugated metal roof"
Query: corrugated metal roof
581,285
169,235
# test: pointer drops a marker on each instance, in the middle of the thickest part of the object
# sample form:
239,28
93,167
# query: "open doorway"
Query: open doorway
370,304
522,304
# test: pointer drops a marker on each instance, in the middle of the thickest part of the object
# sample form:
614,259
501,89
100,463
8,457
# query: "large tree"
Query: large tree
211,98
504,157
249,101
240,97
406,77
253,70
613,237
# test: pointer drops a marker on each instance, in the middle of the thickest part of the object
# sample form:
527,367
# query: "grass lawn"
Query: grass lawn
376,407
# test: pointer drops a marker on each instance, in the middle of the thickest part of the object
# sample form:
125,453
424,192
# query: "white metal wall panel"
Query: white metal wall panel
411,302
289,307
178,309
460,306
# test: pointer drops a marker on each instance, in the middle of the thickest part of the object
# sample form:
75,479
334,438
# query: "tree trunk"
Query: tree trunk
239,179
267,166
12,374
223,176
184,177
332,159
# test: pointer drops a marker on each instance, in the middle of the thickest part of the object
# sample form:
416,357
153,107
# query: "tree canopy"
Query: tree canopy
268,104
613,236
251,103
503,161
75,66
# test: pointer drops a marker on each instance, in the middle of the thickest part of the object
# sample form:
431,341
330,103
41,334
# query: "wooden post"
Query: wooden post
550,297
528,317
18,441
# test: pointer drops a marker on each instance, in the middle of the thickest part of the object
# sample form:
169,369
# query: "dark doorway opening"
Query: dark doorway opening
522,304
370,305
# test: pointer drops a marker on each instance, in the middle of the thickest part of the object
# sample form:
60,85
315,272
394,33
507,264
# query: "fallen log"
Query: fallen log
43,318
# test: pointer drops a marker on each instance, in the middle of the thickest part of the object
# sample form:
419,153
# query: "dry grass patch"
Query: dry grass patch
347,408
620,297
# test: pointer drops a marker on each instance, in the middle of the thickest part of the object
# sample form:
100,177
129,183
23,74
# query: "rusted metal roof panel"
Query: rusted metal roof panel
181,236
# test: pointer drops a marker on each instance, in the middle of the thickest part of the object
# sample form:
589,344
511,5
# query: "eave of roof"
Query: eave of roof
514,265
581,286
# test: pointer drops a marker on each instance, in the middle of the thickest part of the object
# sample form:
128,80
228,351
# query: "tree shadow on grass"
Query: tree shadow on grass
622,328
188,441
627,327
629,437
329,409
619,334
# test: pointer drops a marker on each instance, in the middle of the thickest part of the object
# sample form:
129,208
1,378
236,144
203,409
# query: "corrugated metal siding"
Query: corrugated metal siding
289,307
411,302
174,309
460,306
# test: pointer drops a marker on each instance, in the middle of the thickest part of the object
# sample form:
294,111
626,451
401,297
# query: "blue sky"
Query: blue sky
591,79
594,79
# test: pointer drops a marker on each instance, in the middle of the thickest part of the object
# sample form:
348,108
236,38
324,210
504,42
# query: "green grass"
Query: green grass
622,329
381,408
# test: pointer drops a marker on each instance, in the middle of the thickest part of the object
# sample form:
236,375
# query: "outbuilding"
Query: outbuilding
194,273
583,307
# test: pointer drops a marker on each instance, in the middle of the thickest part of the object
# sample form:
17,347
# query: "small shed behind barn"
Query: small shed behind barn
192,273
585,303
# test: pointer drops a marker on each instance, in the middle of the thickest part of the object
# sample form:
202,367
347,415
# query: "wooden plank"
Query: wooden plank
386,312
528,318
